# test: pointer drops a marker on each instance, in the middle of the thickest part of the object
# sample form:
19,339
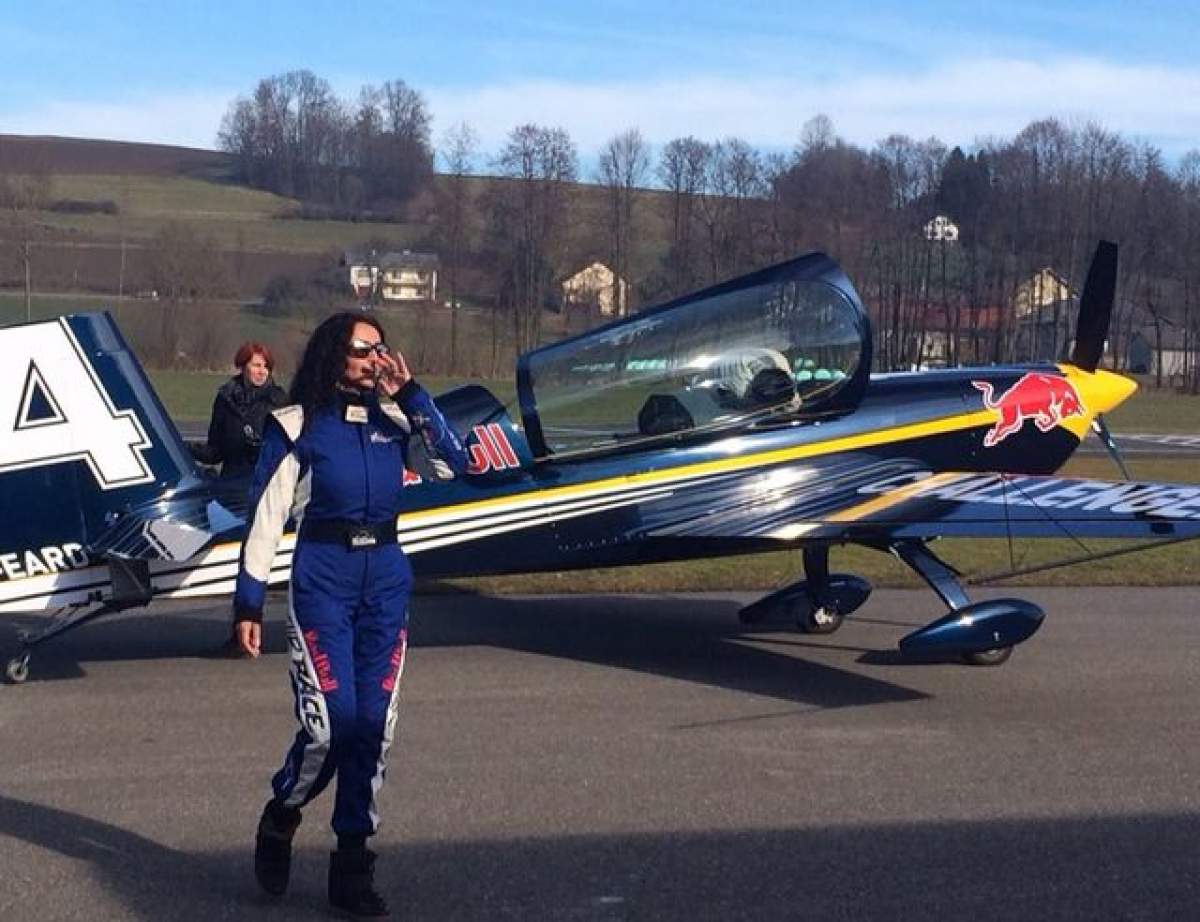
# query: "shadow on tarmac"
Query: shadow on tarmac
695,639
1141,866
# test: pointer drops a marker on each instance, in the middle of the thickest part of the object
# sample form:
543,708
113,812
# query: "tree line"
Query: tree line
696,211
510,224
294,136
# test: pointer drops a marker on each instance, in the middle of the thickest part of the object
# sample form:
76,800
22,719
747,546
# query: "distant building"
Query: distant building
593,287
1046,307
1142,356
400,276
941,228
1042,291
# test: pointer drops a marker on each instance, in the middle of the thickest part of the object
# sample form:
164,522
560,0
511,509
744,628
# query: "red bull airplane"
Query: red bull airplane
738,419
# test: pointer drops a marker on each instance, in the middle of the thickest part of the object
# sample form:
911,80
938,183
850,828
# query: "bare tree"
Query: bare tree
294,136
624,164
741,177
529,220
681,170
1187,176
817,134
185,270
408,152
455,202
23,195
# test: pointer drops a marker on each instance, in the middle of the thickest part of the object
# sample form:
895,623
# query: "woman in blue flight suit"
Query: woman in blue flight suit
333,462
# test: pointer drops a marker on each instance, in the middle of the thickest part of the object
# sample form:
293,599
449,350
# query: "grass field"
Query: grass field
238,217
170,196
188,395
46,306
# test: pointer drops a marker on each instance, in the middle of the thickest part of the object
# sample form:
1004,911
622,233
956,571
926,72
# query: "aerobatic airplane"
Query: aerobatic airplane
741,418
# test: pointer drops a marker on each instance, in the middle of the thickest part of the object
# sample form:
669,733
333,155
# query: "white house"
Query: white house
400,276
593,286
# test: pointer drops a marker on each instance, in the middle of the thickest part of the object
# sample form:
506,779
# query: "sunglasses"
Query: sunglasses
361,349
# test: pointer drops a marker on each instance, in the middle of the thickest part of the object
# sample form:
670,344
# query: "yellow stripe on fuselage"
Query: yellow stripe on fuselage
868,439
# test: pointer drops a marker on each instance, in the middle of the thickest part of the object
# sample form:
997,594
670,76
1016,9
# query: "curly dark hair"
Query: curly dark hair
315,383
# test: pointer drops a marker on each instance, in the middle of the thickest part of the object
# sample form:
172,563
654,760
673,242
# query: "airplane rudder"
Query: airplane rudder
89,436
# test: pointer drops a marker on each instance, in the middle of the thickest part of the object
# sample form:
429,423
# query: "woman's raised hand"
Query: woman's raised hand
393,372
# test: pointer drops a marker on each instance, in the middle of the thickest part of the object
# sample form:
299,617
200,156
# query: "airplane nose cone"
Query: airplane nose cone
1099,390
1106,390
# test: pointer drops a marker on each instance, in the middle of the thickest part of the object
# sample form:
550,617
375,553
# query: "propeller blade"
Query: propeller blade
1101,430
1095,307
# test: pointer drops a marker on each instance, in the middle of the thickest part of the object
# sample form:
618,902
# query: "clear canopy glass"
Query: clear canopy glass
777,348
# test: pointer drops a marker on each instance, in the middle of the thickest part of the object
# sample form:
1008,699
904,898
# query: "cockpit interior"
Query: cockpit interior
791,342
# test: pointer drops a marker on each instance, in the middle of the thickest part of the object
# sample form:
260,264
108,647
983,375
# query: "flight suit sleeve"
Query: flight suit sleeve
272,494
443,450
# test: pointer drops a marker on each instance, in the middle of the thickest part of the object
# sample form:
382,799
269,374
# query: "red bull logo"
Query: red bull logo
321,662
1046,399
488,449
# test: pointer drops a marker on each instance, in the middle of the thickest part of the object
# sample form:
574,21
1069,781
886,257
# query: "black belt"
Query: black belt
356,536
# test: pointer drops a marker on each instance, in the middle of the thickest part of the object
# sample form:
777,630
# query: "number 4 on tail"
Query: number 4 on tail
60,412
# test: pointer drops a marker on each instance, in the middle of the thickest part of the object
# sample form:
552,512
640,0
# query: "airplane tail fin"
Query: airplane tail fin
89,438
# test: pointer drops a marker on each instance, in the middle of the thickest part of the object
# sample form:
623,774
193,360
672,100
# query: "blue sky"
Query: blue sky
166,71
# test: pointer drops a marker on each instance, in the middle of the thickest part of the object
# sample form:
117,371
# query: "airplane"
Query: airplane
741,418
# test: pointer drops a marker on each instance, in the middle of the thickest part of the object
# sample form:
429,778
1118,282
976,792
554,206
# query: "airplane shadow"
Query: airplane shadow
694,639
1138,866
697,639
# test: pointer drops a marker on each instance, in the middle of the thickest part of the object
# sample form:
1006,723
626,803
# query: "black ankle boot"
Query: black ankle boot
352,884
273,846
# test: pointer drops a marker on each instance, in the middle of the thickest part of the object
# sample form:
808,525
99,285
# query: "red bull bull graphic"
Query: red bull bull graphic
1046,399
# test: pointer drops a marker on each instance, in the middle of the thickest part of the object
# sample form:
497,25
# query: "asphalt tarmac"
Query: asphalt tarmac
611,758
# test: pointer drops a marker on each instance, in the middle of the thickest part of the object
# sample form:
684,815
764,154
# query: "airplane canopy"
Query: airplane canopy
792,341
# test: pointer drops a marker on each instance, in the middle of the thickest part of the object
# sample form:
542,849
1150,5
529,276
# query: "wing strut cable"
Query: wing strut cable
1087,556
1053,521
1071,561
1012,561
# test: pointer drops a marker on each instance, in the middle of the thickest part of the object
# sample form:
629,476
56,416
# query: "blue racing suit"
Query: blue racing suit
348,611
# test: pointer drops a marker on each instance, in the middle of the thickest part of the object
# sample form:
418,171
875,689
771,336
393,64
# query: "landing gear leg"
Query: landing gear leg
130,588
817,604
961,629
16,670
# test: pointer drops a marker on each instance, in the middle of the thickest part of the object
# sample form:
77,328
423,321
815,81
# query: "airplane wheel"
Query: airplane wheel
17,669
819,620
993,657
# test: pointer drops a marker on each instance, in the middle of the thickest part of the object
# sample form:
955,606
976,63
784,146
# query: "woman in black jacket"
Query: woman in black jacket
239,411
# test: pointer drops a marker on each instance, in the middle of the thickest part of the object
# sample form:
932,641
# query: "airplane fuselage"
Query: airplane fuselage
646,503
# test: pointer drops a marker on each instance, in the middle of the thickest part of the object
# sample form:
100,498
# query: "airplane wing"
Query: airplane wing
869,500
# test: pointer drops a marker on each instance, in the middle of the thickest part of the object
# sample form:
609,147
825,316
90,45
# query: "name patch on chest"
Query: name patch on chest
355,413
